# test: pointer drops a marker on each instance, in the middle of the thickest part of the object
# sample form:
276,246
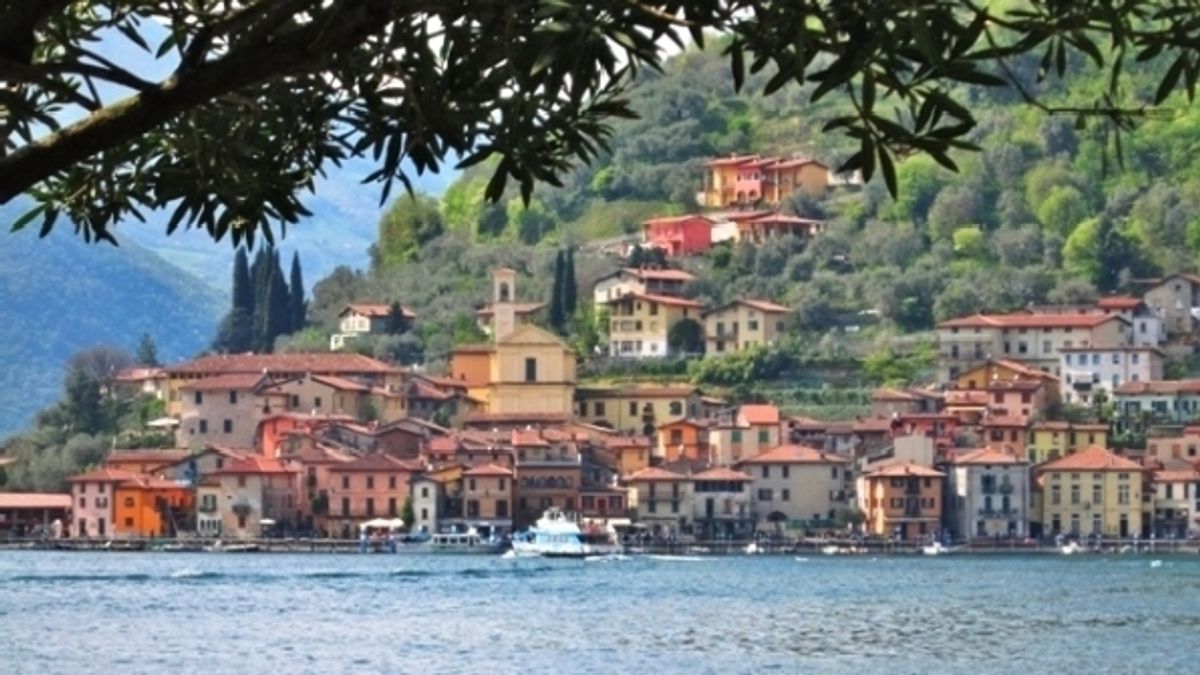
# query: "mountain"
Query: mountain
61,295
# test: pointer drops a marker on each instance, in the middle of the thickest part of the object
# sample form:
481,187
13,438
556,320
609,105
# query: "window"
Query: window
736,436
241,481
1074,494
766,471
764,495
370,482
633,407
471,484
424,514
1045,346
676,407
83,502
227,426
198,398
233,398
764,437
1122,494
599,407
502,508
676,436
1055,495
833,472
241,522
1096,495
316,401
128,502
785,469
345,482
370,507
502,485
1134,357
752,325
785,495
531,370
345,506
203,426
424,491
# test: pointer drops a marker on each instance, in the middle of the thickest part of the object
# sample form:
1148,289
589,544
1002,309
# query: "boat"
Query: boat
830,549
752,549
219,547
936,548
557,535
463,542
1071,548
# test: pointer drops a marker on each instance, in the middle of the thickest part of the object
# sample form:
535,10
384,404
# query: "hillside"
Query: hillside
61,295
1043,214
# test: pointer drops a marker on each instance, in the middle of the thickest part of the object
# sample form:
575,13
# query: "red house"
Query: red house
679,235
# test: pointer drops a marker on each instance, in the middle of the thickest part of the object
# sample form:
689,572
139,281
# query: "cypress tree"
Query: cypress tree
397,323
556,295
299,308
279,306
243,290
260,273
240,337
570,290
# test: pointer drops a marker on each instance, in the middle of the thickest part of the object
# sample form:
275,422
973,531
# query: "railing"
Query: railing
998,513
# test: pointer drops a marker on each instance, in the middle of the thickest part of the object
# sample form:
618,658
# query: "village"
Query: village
992,453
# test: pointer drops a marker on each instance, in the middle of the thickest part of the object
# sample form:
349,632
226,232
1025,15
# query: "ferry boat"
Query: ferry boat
558,536
463,542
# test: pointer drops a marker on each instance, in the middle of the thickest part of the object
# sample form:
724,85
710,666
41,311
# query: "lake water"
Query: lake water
253,613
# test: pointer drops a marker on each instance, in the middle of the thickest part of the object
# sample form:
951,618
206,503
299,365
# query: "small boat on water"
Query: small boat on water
557,535
463,542
936,548
1071,548
219,547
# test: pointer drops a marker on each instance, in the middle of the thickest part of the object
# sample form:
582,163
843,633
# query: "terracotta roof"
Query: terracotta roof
660,299
231,382
530,418
1177,476
985,456
799,161
147,456
905,469
255,465
420,389
1159,387
658,274
1093,458
528,438
653,473
961,397
782,219
519,308
34,500
142,481
1006,421
339,383
102,476
375,310
623,442
875,424
687,422
756,414
723,473
377,461
732,160
1119,302
1029,321
885,394
795,454
315,362
488,470
671,220
801,423
138,374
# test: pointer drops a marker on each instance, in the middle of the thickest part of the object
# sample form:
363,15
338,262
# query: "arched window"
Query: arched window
504,293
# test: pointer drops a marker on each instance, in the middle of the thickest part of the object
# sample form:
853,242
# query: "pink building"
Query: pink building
371,486
679,235
92,500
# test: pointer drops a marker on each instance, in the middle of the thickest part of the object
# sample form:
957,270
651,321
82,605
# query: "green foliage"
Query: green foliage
557,311
147,352
1062,209
409,223
969,242
686,337
886,367
297,305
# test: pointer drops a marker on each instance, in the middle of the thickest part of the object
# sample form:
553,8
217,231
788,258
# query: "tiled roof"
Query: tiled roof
759,414
314,362
529,418
34,500
1094,458
375,310
255,465
486,470
1006,421
687,422
653,473
622,442
885,394
1029,321
985,456
145,482
905,469
232,382
658,274
1177,476
419,389
660,299
377,461
732,160
795,454
723,473
138,374
146,456
102,476
765,306
967,397
1159,387
339,383
528,438
782,219
671,220
1119,302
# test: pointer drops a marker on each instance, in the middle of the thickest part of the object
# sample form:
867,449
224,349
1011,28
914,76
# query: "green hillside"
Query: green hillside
61,295
1046,212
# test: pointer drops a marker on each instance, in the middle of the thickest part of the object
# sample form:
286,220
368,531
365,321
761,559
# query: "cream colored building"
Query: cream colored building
743,324
636,410
797,488
257,494
358,319
661,499
225,410
1174,298
751,430
646,281
1037,339
640,324
1092,492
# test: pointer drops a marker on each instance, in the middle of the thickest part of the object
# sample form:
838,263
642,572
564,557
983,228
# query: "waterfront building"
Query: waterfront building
24,513
902,500
487,497
93,496
427,491
722,504
987,494
145,506
743,324
256,494
1091,492
683,439
632,453
662,500
1091,372
226,409
208,507
1037,339
364,318
1176,497
797,488
1158,402
1173,443
1010,433
548,474
367,487
746,432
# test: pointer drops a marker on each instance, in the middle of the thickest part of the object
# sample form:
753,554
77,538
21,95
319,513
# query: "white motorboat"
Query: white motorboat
935,548
556,535
1071,548
463,542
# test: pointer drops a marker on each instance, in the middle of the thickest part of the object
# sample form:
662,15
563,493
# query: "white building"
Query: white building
426,497
360,319
987,494
1086,370
645,281
1176,492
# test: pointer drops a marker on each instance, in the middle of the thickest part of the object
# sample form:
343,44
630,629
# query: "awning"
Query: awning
382,524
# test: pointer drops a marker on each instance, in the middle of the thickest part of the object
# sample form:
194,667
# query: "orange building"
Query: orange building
750,179
682,439
151,507
903,500
632,453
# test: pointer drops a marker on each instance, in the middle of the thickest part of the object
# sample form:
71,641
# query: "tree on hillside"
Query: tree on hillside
100,364
409,223
646,256
397,323
570,290
686,337
297,305
147,352
235,333
244,104
557,311
1105,255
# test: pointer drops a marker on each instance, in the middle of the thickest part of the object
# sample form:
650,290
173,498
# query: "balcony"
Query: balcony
1006,488
207,507
997,513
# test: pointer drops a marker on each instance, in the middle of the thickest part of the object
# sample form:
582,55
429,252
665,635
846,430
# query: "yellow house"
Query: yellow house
640,323
993,371
1092,492
526,370
746,179
1052,440
743,324
636,410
